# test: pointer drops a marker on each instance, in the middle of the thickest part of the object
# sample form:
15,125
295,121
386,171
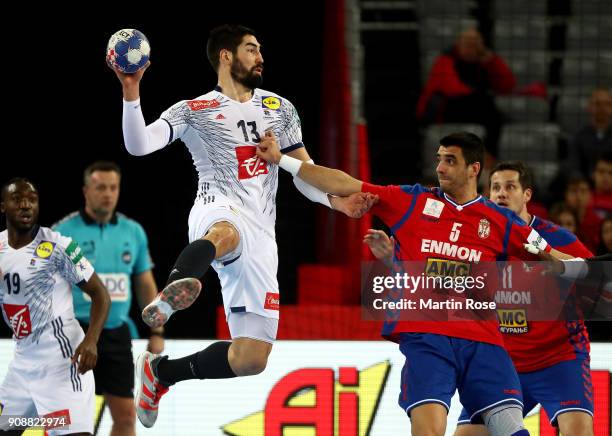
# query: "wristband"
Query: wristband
290,164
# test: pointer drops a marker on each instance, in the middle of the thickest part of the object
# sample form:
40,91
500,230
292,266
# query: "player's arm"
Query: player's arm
146,290
325,179
139,138
354,206
86,353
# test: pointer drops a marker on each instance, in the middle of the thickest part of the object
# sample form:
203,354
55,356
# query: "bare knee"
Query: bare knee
576,423
471,430
252,365
248,356
430,429
428,420
224,236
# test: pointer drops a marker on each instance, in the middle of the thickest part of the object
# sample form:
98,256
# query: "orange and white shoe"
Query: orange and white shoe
148,389
178,295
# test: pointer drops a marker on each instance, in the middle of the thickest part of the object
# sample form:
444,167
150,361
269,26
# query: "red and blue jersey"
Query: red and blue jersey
540,344
429,226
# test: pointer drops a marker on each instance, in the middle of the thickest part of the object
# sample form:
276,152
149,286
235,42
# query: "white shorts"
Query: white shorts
253,326
247,274
55,390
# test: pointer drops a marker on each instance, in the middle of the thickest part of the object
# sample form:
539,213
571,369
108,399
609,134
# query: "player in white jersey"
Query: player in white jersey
49,378
231,224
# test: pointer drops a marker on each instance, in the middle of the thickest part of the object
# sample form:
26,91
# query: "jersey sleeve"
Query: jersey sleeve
176,116
520,234
290,137
395,202
70,262
143,260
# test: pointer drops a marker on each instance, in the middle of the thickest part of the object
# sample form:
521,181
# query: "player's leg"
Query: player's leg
489,387
67,396
575,423
123,413
427,381
184,285
428,420
566,395
15,400
465,428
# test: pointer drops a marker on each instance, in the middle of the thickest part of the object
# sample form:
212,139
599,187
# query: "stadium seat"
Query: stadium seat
441,8
527,66
523,109
590,33
594,68
533,8
520,33
572,111
438,34
530,142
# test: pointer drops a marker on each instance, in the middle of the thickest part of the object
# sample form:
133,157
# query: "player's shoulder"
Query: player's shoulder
48,237
271,100
68,220
500,211
208,100
554,234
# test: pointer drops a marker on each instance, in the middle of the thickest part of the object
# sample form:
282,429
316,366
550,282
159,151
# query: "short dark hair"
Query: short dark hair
525,177
228,37
15,180
471,146
100,165
559,208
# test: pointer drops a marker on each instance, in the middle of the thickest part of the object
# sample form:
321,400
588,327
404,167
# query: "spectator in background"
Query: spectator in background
578,199
562,215
462,84
602,179
605,246
595,138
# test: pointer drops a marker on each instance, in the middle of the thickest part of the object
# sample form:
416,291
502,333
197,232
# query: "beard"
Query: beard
245,77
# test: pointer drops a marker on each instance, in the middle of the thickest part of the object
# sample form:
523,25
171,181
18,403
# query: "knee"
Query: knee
431,429
252,365
578,427
224,236
124,418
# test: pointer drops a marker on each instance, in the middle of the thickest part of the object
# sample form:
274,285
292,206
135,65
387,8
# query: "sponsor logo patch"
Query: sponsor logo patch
433,208
249,165
19,319
513,321
272,301
198,105
45,249
273,103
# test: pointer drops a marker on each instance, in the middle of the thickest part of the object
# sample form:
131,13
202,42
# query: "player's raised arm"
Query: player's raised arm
139,138
328,180
86,353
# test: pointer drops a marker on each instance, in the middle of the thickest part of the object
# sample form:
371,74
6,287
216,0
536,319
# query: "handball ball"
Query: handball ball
128,50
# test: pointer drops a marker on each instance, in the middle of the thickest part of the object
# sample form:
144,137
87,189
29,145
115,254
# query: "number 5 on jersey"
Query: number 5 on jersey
454,234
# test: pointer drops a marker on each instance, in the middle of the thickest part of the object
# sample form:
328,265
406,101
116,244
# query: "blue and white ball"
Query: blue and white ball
128,50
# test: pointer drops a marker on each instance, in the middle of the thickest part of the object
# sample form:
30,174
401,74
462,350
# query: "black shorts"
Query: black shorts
114,372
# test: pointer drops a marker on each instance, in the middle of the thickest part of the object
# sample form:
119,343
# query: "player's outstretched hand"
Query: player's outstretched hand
553,265
128,80
86,355
355,205
268,148
380,245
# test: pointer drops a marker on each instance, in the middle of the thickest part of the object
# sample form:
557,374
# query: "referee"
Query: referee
118,248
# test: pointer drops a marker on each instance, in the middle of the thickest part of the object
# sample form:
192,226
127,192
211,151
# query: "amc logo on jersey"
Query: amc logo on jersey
311,399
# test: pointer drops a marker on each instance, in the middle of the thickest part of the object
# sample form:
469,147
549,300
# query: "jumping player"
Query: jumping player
231,224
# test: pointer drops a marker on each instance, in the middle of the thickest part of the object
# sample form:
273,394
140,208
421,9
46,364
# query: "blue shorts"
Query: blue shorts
563,387
438,365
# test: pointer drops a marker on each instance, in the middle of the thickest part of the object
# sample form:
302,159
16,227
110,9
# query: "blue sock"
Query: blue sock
523,432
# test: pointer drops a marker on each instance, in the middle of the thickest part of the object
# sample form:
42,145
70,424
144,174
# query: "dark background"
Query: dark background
63,111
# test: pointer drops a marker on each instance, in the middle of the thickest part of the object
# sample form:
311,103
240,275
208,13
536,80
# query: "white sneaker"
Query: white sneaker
148,389
178,295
